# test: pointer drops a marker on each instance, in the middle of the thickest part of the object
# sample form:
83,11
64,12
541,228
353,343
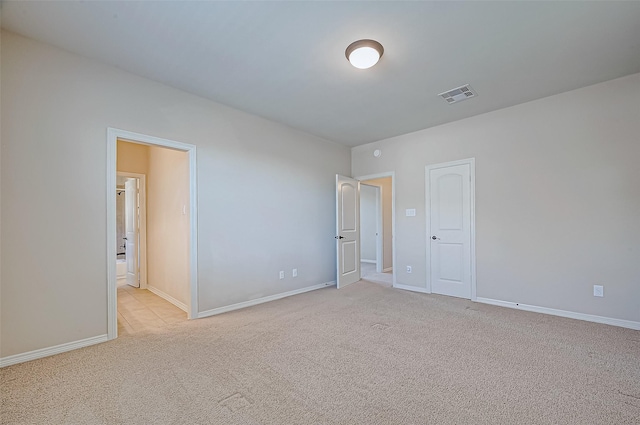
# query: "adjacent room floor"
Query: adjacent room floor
368,272
141,310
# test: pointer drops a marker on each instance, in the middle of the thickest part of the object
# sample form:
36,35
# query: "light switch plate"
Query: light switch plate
410,212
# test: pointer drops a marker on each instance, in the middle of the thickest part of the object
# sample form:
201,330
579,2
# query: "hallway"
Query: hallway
368,272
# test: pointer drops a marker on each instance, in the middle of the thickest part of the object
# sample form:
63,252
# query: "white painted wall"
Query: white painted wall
266,193
557,197
168,222
367,222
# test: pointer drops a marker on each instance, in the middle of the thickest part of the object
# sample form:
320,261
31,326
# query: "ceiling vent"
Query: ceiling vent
458,94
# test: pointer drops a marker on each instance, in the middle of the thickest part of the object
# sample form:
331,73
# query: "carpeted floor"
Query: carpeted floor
365,354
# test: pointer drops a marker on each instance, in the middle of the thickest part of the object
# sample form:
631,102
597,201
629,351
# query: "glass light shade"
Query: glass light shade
364,54
364,57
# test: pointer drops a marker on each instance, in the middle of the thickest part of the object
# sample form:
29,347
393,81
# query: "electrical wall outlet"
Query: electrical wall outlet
598,291
408,269
281,274
294,273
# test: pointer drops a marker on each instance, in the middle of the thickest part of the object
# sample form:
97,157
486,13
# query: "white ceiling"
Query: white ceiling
285,60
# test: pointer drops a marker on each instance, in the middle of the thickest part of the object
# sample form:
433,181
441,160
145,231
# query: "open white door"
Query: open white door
131,230
347,230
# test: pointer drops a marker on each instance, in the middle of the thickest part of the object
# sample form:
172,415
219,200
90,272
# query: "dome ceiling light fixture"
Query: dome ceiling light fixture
364,54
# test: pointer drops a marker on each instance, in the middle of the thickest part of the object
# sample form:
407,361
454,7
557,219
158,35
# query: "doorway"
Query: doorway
173,245
131,234
376,235
370,227
450,207
376,192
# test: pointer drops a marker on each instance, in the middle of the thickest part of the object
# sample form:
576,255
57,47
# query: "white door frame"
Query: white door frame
391,174
142,204
113,134
472,173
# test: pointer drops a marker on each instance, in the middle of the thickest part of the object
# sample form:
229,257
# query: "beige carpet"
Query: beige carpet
365,354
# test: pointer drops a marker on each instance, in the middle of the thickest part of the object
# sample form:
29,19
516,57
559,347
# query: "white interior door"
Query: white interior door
131,224
347,230
449,223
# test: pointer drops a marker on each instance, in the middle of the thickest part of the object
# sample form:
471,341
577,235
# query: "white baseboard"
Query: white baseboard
411,288
182,306
257,301
369,261
50,351
388,269
562,313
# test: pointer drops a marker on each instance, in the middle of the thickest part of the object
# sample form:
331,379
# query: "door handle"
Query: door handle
339,237
435,237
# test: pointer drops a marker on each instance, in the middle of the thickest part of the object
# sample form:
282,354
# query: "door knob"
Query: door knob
339,237
435,237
